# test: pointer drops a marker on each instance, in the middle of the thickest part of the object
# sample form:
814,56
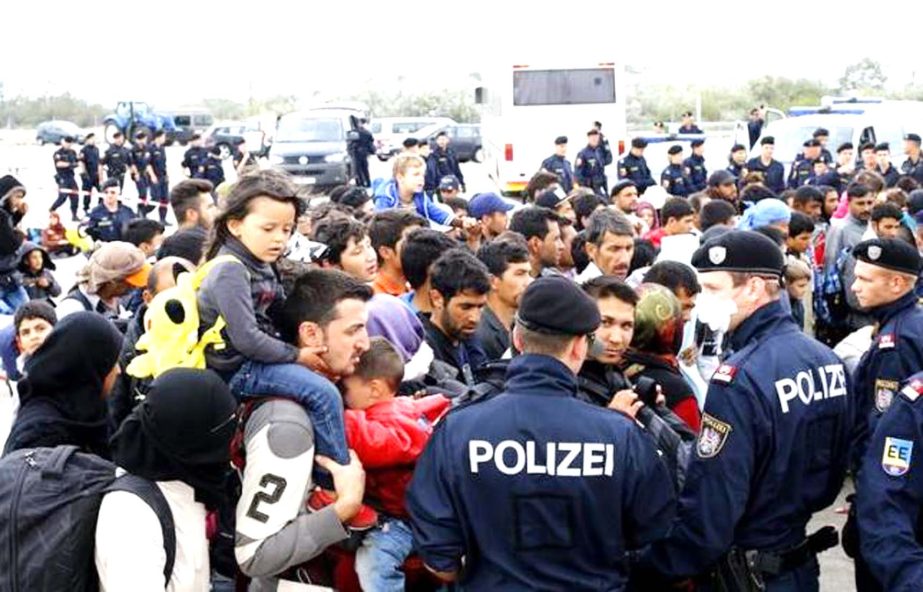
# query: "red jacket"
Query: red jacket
388,438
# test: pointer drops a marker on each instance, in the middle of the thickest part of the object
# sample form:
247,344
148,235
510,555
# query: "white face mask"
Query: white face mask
714,311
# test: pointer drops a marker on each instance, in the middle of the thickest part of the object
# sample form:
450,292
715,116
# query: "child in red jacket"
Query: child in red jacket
388,434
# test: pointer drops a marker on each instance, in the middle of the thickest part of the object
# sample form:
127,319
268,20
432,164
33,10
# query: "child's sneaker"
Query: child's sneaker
365,519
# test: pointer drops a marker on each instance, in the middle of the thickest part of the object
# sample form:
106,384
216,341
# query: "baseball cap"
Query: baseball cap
116,260
483,204
551,198
449,183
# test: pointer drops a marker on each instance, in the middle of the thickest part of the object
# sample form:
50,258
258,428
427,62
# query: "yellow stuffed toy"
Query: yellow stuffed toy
171,328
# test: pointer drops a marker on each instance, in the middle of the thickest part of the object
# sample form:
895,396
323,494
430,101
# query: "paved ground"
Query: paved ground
32,165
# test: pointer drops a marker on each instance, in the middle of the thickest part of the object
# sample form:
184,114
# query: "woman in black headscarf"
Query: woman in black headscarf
178,437
62,397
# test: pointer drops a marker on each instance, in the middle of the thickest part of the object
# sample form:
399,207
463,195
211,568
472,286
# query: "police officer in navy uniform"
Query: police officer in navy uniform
589,168
533,488
688,126
889,493
775,433
160,187
443,160
360,151
737,161
634,167
884,167
140,161
604,152
65,165
821,135
772,170
803,169
214,167
89,177
194,158
673,178
913,166
886,273
558,164
694,167
117,159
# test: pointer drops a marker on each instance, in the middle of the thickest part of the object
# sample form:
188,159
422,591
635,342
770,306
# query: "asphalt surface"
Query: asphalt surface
33,166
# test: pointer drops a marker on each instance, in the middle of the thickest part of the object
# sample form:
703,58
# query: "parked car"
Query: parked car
228,134
464,139
51,132
311,146
190,121
390,132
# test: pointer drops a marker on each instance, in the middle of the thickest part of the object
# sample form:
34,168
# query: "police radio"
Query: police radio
646,389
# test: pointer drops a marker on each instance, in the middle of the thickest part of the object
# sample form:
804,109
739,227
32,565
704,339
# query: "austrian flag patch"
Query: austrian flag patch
724,374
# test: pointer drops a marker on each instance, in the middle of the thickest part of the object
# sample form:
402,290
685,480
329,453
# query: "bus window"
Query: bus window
563,87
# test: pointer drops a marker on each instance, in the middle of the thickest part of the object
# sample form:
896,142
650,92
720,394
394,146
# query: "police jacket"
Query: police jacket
890,494
159,161
116,159
674,180
773,173
634,168
914,169
896,353
891,176
772,450
561,167
105,225
89,155
140,158
68,156
446,163
801,173
194,159
589,170
694,168
536,489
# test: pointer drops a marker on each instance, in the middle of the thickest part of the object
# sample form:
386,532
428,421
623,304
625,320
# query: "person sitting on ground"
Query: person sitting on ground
181,443
106,222
12,209
36,266
349,248
67,379
54,237
388,434
31,325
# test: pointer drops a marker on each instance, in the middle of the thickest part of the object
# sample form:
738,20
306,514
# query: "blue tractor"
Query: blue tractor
131,117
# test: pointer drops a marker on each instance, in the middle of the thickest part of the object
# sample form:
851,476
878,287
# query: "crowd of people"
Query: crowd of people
398,387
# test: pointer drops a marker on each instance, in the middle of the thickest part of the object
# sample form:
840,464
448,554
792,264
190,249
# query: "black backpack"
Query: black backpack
49,502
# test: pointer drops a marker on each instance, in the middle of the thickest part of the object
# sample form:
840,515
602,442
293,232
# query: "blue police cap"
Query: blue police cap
698,142
768,140
557,306
913,138
560,140
675,149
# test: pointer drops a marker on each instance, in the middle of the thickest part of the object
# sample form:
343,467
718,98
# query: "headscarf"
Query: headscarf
392,319
643,205
67,373
765,213
658,322
181,432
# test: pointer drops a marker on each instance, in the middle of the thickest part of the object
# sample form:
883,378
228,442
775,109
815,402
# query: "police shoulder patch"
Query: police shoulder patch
886,341
913,390
724,374
712,437
896,456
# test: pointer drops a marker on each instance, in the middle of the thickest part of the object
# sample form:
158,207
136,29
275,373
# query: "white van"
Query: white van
390,132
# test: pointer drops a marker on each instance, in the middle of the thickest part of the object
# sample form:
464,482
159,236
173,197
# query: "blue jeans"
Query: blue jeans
12,297
316,394
383,552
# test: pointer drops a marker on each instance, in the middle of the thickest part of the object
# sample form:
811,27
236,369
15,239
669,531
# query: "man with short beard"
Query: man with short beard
609,244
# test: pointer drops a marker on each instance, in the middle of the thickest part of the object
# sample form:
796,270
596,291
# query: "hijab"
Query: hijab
658,322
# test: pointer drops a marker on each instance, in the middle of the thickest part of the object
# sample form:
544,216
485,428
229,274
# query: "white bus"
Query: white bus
525,107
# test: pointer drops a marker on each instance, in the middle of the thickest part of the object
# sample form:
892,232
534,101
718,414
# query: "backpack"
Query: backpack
49,502
171,336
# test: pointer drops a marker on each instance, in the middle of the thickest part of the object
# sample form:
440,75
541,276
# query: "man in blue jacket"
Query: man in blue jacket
405,191
534,488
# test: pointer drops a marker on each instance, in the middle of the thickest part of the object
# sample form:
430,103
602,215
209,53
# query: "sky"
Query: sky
197,49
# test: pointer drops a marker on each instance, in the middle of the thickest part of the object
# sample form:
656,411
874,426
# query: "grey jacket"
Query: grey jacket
244,294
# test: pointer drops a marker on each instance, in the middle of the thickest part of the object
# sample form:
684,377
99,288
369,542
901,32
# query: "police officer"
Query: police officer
140,161
360,150
589,168
65,165
886,272
772,170
889,494
673,178
634,167
89,176
737,161
688,125
803,169
694,167
117,159
913,166
773,445
884,166
443,160
194,158
529,489
821,135
604,152
160,188
214,167
558,164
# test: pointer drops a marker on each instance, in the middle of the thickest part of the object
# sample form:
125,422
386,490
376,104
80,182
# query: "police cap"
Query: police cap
768,140
560,140
639,143
890,253
821,132
592,132
720,177
698,142
675,149
844,146
88,136
812,143
883,147
557,306
742,251
737,148
913,138
68,139
866,146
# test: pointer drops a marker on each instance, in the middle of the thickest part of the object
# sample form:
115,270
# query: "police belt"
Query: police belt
773,563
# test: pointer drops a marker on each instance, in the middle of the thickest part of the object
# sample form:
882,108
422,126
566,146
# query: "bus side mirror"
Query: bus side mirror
480,95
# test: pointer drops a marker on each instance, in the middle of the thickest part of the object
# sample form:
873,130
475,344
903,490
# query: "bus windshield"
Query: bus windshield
563,87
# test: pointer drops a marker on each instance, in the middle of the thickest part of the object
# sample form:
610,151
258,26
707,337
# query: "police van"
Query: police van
848,119
524,107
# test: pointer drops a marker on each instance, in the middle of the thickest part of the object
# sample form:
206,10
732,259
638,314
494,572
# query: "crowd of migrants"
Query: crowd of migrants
403,388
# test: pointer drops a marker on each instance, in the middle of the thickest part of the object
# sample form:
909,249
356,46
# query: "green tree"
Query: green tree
865,76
